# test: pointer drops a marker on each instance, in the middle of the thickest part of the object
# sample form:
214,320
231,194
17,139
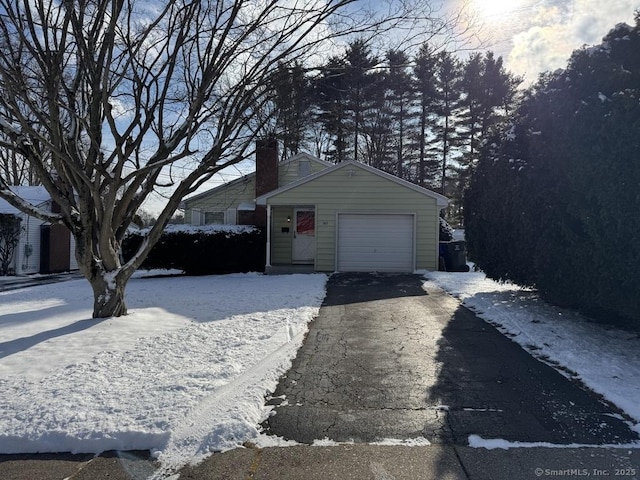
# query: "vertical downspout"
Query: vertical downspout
25,264
268,263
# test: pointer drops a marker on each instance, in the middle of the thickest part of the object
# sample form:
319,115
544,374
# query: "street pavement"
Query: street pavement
353,462
386,359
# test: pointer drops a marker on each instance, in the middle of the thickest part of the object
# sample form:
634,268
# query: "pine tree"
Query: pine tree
292,101
362,83
488,93
401,95
378,128
330,95
424,73
474,88
447,106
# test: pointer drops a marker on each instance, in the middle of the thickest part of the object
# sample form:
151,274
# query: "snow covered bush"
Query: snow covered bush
446,231
203,250
554,200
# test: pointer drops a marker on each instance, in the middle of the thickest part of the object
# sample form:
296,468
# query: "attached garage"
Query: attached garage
362,220
370,242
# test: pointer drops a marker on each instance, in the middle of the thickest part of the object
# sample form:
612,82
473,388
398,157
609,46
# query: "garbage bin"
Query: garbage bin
453,256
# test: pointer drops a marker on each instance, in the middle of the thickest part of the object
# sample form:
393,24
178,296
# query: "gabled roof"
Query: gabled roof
35,195
441,200
249,176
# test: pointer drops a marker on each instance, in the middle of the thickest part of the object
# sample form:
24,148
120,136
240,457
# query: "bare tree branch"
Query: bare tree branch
104,100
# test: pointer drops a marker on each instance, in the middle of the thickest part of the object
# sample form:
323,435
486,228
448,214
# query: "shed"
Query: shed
42,248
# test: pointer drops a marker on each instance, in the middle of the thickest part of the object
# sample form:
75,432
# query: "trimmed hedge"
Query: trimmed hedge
205,250
554,202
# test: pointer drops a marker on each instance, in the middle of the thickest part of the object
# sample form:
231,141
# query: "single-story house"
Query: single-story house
343,217
233,203
43,247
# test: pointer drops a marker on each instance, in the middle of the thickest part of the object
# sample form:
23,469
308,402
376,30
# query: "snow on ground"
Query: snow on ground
184,374
603,358
476,441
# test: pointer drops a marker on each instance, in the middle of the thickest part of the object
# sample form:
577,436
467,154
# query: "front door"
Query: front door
304,236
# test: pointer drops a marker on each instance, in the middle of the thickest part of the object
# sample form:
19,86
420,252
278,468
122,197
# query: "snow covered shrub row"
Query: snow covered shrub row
554,200
203,250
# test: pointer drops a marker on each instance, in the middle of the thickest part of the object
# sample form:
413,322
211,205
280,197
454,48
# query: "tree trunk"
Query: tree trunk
399,166
445,151
108,297
101,266
423,131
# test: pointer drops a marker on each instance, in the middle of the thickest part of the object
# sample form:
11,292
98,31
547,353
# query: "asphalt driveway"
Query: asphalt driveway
387,359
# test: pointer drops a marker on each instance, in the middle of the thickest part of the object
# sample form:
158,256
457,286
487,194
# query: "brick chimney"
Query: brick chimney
266,174
266,165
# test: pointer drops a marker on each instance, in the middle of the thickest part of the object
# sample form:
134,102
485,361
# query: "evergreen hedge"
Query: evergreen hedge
205,250
554,201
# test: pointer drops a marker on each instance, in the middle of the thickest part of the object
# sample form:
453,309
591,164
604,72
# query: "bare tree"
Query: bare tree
109,100
15,169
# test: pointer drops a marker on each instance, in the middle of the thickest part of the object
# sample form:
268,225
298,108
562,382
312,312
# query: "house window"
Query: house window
213,218
305,222
304,168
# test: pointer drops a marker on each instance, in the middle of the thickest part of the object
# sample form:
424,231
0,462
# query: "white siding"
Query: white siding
196,217
230,216
352,189
73,263
31,236
375,242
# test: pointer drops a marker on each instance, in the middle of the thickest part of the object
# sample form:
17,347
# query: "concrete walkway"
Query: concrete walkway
386,359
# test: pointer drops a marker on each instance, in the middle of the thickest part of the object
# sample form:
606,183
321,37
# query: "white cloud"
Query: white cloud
556,29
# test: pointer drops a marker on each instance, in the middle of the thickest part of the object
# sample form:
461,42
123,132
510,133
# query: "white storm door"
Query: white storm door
304,236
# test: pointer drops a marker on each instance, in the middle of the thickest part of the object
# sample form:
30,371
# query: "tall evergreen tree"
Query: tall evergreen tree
378,129
447,107
292,102
362,83
488,93
400,87
474,89
424,73
330,95
558,190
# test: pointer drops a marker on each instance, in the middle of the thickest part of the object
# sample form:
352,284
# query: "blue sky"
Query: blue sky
532,36
539,35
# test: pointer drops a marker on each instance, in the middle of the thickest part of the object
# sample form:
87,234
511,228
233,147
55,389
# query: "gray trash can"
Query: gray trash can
454,256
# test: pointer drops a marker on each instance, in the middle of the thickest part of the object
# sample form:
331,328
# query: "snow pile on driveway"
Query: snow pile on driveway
605,359
184,374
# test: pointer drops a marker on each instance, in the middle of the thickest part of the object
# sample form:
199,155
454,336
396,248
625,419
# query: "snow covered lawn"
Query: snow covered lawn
185,373
603,358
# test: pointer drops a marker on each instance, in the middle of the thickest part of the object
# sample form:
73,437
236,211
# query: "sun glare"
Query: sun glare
495,10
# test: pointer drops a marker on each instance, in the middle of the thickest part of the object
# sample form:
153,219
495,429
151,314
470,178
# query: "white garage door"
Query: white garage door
375,243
